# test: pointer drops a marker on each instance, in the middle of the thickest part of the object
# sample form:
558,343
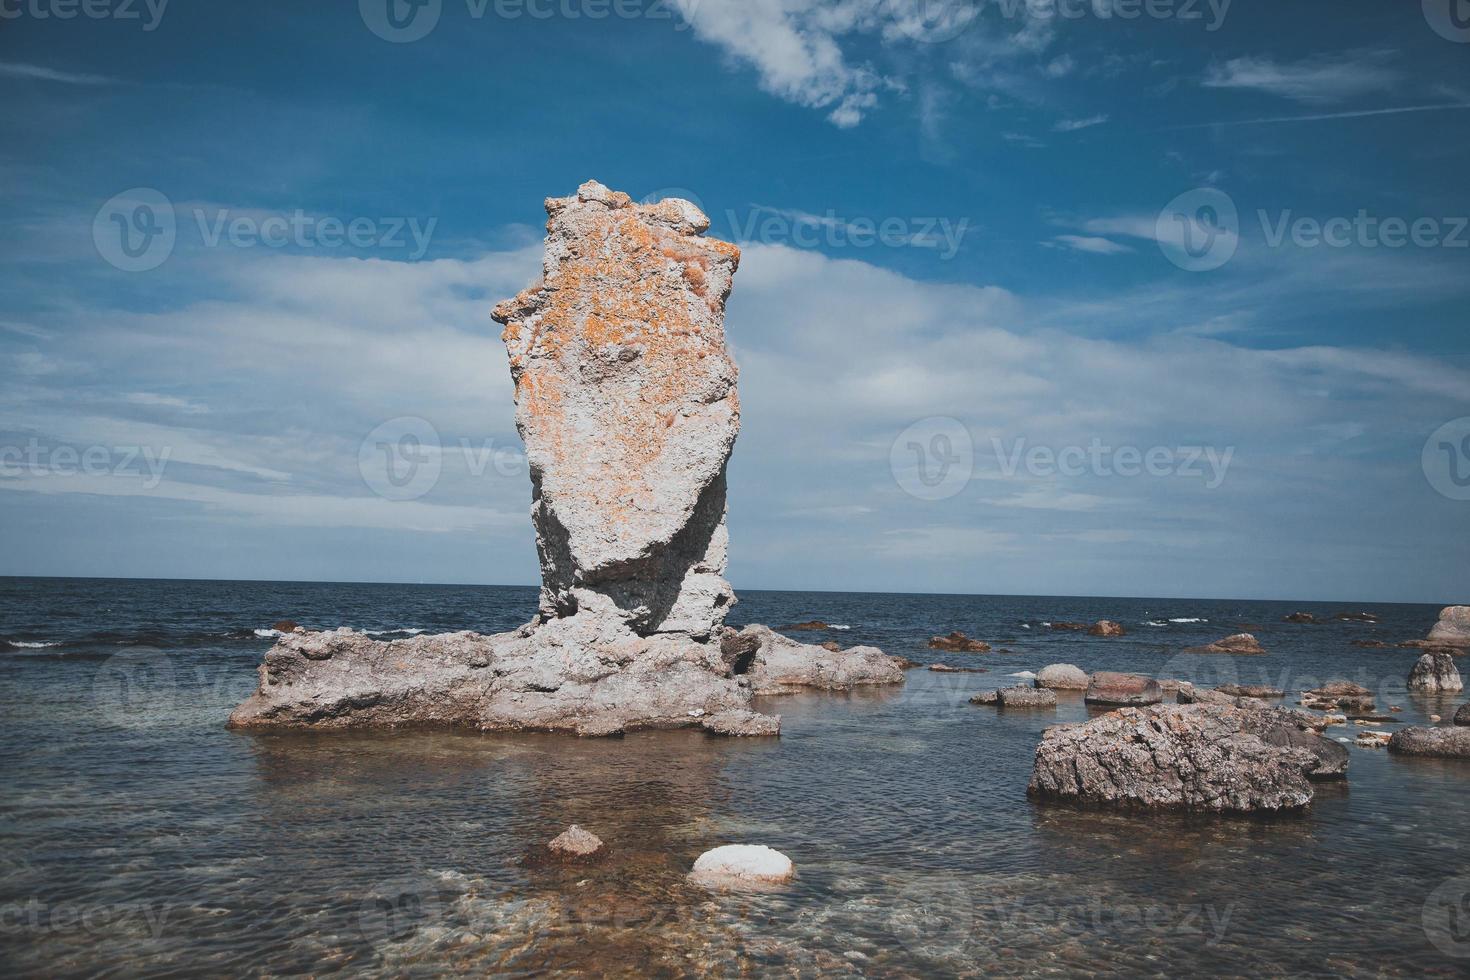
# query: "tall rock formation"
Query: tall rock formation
626,399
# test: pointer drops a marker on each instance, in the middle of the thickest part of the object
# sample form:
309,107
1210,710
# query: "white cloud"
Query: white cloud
41,73
1315,81
1089,243
1072,125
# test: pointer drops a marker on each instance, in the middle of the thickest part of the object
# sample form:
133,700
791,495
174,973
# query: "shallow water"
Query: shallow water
139,837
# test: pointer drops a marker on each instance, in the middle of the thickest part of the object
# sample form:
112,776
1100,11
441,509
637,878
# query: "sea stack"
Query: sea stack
626,400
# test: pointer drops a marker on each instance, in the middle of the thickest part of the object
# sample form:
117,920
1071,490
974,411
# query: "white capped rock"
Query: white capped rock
742,863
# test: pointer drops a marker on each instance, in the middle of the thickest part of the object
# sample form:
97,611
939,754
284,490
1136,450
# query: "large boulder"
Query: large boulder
1117,690
1453,628
626,399
1435,673
1441,743
1062,677
1205,757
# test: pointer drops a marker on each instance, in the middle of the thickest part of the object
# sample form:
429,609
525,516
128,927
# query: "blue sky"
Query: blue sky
961,222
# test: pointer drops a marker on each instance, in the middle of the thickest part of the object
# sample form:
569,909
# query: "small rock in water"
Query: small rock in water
1027,697
285,626
1445,743
736,864
1106,627
1241,644
1435,673
576,842
958,642
1462,716
1125,690
1374,740
811,625
1062,677
1300,617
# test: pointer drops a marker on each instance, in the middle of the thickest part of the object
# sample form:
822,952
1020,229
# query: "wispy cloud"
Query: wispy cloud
1072,125
1088,243
13,69
1315,81
1317,117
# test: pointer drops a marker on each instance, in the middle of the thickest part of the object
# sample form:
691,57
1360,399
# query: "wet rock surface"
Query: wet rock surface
957,642
1241,644
1204,757
1435,673
626,399
1451,742
1122,690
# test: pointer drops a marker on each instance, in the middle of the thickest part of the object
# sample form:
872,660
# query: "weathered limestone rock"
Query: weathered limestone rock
1206,757
626,399
1113,689
1021,696
1107,627
1441,743
1453,628
958,642
1241,644
1341,696
1251,691
1062,677
1435,673
735,865
1462,716
574,842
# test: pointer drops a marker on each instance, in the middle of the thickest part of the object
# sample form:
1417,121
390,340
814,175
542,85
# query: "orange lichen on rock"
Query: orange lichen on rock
625,392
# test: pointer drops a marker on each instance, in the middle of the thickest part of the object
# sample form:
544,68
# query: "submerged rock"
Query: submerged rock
1435,673
626,399
1114,689
575,842
1241,644
1444,743
737,864
1300,617
1026,697
1062,677
1453,628
1341,696
1206,757
958,642
811,625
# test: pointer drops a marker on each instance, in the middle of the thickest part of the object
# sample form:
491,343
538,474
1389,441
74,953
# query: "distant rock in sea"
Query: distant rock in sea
1107,627
1453,628
626,399
1241,644
958,642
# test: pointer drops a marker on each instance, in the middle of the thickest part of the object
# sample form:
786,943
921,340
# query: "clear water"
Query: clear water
139,837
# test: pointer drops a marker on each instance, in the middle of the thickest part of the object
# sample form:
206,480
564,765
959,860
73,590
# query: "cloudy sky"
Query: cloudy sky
1163,299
